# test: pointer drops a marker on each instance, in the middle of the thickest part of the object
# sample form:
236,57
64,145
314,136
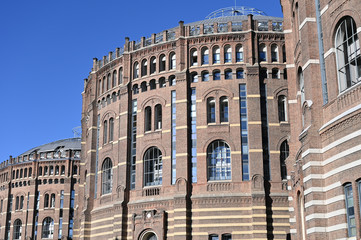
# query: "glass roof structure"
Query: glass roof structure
235,11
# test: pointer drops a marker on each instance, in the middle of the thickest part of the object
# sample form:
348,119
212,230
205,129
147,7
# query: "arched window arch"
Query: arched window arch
144,67
62,172
150,236
275,73
227,236
109,81
216,55
213,237
172,81
274,53
158,117
135,89
262,53
194,57
114,82
284,153
348,55
114,96
136,70
162,60
47,228
107,176
111,129
56,170
147,119
162,83
46,170
172,62
219,161
223,106
143,86
194,77
153,167
227,54
239,53
228,74
152,84
153,65
240,74
205,56
17,229
52,200
205,76
216,75
46,200
104,87
105,132
120,75
282,108
211,110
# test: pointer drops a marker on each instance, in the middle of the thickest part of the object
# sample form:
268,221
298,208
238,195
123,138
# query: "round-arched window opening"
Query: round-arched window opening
148,236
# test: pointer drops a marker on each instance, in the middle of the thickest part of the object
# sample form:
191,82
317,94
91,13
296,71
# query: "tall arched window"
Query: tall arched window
114,82
282,108
21,202
240,74
153,65
172,80
17,229
158,117
153,167
107,176
350,210
144,67
194,77
211,110
143,86
40,171
227,54
205,56
274,53
152,84
205,76
262,53
136,70
52,200
104,87
301,85
172,62
30,172
216,55
219,161
284,152
46,201
226,236
284,53
162,63
239,54
111,129
348,55
162,83
301,214
147,119
194,57
275,73
105,132
109,82
135,89
62,172
228,74
47,228
223,106
120,75
56,170
17,203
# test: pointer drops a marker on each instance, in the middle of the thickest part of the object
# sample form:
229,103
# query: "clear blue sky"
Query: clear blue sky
47,47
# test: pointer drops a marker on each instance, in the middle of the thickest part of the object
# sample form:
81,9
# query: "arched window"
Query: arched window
75,169
135,89
275,73
227,54
17,229
216,55
213,237
56,170
104,87
223,109
111,129
143,86
62,170
105,132
100,87
150,236
239,54
153,65
301,214
109,82
285,74
240,74
51,170
226,236
107,176
114,82
301,85
48,228
162,83
350,210
158,116
153,167
114,96
282,108
262,53
172,62
284,53
46,201
17,173
136,70
219,161
274,53
162,63
205,76
46,171
211,110
30,172
216,75
120,75
144,67
205,56
109,100
194,77
52,200
284,153
21,173
194,57
152,84
348,55
17,203
25,172
21,202
171,80
228,74
148,119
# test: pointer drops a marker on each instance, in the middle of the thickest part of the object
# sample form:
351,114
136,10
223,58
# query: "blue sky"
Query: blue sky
47,47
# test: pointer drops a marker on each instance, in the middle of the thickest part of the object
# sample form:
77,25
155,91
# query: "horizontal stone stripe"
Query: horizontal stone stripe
326,229
325,202
340,212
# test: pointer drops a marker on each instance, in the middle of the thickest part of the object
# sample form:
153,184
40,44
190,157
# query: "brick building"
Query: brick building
37,192
185,134
324,96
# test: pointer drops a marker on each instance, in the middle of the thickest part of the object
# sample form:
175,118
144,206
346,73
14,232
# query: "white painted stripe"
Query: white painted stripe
292,101
287,31
332,50
326,215
290,65
342,155
316,230
292,220
310,151
325,202
322,189
293,231
305,21
313,177
342,115
289,188
342,168
310,61
290,198
288,177
291,209
324,10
